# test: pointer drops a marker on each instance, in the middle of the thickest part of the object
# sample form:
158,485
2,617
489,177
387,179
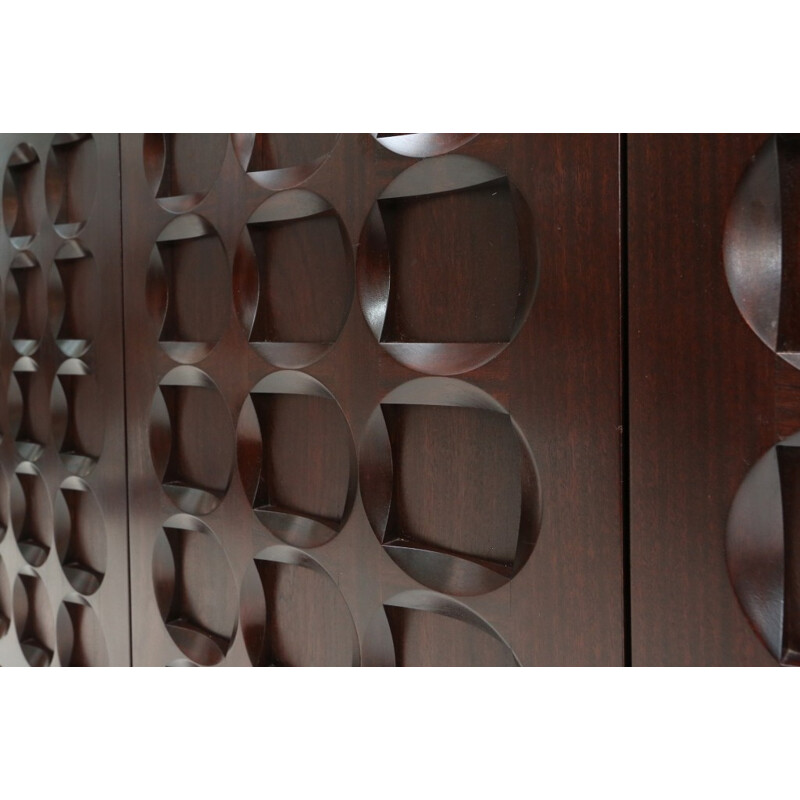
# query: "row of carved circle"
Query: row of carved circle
74,527
74,633
249,607
76,419
69,186
263,159
254,305
447,572
756,259
68,294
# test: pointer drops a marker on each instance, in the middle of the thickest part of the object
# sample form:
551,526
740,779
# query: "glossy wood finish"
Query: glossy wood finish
704,401
63,509
373,394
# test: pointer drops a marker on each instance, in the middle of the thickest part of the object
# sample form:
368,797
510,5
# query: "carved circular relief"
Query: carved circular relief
5,601
447,266
71,181
3,504
762,549
80,536
188,288
79,635
33,619
410,627
78,417
21,196
422,145
195,589
282,160
450,486
31,514
293,278
297,459
762,250
293,613
75,299
181,168
28,408
191,440
26,304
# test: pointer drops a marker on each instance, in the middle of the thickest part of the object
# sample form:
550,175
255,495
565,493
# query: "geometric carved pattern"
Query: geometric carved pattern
293,614
421,622
450,486
297,459
20,181
356,515
33,619
762,263
447,265
195,589
420,145
79,635
282,160
181,167
188,285
63,511
74,299
71,179
195,470
293,278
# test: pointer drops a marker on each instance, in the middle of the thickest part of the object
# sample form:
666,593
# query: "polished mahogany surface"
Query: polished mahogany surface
63,486
373,395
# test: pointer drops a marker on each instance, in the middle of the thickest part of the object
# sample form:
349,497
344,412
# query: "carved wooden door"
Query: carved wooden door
371,385
63,510
373,399
714,399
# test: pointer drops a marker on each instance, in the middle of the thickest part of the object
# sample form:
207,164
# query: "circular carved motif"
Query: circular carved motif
447,266
450,486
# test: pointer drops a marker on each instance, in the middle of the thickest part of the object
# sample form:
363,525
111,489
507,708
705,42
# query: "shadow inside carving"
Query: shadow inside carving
763,549
74,299
31,515
294,615
188,289
79,635
293,278
450,486
80,536
447,265
429,630
195,590
71,180
26,304
297,459
282,160
28,409
78,417
181,168
19,186
33,618
192,440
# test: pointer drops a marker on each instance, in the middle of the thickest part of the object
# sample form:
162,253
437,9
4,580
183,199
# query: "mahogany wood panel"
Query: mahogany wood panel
705,397
63,489
373,398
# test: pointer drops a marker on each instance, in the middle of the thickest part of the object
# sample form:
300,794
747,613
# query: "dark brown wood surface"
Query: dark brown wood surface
373,398
703,399
63,508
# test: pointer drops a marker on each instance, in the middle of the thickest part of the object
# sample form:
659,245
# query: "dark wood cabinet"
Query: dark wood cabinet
398,399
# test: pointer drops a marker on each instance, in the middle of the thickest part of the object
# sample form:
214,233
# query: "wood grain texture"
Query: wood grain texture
496,263
63,492
702,400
